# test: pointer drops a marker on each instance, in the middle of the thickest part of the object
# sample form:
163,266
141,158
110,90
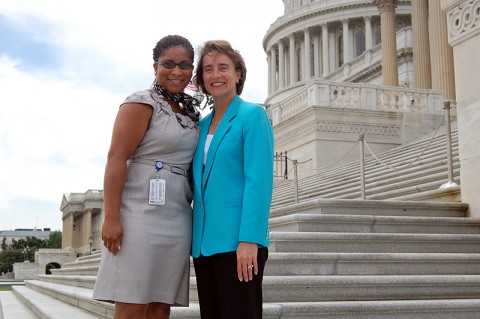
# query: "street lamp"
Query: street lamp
25,254
90,241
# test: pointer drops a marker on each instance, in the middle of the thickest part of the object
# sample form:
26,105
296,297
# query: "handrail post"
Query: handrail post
286,166
362,166
295,178
450,182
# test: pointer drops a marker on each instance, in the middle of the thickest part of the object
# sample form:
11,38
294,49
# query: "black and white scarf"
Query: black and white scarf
187,103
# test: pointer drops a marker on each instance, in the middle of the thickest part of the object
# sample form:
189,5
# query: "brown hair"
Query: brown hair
223,47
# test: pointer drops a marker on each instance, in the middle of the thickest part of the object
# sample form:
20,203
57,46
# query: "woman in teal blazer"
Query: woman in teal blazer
233,179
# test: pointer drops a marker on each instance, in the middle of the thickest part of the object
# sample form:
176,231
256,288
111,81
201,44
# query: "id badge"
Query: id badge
156,194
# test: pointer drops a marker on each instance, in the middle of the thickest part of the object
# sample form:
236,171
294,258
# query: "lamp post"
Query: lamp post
25,254
90,242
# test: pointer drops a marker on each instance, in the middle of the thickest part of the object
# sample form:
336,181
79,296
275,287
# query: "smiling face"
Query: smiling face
174,80
220,76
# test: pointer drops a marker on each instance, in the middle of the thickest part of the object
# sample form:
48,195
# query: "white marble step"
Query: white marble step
374,243
361,264
373,309
375,224
373,207
391,309
364,288
11,307
49,307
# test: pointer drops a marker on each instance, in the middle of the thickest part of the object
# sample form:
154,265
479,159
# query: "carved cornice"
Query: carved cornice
81,202
335,127
291,18
278,26
373,70
376,68
463,21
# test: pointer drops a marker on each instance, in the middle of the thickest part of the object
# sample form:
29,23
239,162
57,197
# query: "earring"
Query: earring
155,73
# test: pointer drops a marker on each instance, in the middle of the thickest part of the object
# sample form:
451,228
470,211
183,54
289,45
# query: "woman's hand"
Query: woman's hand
247,261
112,233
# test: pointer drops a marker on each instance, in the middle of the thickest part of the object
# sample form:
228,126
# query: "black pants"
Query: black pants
221,294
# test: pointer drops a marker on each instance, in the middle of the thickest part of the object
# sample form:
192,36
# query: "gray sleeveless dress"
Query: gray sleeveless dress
153,263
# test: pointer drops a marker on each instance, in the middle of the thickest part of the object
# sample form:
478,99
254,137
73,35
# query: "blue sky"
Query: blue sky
66,66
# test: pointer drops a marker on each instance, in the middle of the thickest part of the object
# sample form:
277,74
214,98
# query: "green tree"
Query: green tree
8,258
30,242
15,252
54,240
4,243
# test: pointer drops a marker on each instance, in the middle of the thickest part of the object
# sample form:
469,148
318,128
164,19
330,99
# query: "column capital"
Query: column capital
385,5
324,25
344,21
367,18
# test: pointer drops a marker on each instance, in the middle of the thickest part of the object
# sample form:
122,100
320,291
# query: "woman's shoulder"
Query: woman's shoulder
250,108
141,96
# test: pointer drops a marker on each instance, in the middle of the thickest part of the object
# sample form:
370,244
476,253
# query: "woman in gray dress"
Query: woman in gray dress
146,233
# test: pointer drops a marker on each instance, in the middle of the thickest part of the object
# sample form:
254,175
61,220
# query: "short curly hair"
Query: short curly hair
169,41
221,46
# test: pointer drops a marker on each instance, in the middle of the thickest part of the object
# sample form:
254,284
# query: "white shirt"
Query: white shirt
207,146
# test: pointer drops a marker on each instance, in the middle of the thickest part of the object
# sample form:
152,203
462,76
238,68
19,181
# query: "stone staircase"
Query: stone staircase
329,258
402,180
336,257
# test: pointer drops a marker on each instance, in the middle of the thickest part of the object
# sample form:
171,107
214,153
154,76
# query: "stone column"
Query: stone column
421,47
269,73
368,33
293,59
332,51
325,63
346,49
441,53
316,55
389,41
464,37
307,74
88,223
67,231
281,65
273,69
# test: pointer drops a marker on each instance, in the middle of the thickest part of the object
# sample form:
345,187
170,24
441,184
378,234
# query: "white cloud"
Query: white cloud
53,138
55,121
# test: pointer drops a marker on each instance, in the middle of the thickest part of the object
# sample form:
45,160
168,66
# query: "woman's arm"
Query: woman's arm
128,131
258,170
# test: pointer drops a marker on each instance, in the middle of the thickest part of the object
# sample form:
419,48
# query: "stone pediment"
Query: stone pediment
79,202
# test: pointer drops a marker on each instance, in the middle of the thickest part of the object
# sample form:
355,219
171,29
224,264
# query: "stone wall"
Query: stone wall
25,270
463,20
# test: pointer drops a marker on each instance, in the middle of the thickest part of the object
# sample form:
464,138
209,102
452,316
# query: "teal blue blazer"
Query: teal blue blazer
233,191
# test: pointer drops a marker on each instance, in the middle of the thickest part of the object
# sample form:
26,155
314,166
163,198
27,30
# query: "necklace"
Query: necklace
214,122
218,120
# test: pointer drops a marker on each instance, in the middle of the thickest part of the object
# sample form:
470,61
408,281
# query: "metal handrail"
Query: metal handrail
363,143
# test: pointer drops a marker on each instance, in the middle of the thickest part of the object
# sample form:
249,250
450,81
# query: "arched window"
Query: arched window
378,34
359,43
340,50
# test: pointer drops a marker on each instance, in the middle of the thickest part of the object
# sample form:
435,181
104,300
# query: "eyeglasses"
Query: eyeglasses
169,64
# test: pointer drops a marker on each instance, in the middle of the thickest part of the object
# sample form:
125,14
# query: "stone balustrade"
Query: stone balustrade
354,96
